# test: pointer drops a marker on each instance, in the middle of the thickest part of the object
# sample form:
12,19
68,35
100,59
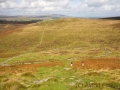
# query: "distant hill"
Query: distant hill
112,18
19,22
52,16
3,16
28,19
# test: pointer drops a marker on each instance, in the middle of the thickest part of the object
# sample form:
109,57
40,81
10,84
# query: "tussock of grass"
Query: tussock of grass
93,74
114,85
28,74
54,79
13,85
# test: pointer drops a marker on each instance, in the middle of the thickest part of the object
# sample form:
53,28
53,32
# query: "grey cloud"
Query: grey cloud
52,0
95,4
56,0
100,3
1,1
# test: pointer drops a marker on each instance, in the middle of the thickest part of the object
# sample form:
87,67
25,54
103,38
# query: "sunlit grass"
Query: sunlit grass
64,34
71,79
64,40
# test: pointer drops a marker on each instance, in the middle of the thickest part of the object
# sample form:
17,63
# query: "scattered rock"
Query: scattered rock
72,83
67,68
42,81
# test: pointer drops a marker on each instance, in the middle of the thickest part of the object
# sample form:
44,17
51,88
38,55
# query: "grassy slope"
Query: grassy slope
65,34
62,40
62,34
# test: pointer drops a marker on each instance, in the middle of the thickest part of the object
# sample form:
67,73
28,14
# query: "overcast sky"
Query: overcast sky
79,8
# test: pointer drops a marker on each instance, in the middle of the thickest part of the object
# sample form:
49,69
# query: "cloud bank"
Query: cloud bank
67,7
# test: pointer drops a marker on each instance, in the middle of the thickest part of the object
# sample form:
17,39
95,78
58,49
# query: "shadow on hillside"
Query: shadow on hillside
111,18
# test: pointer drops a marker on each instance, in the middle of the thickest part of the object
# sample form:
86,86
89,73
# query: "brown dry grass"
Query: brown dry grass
27,67
7,29
8,55
63,34
102,63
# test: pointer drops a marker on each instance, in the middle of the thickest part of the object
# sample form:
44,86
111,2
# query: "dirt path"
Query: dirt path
10,59
102,63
